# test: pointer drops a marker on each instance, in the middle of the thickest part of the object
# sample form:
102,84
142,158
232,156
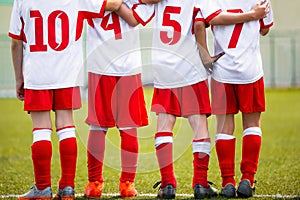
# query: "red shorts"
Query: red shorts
116,101
230,98
183,101
54,99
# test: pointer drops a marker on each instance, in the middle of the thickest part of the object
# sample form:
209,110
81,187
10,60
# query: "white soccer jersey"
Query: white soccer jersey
51,32
175,56
242,62
113,46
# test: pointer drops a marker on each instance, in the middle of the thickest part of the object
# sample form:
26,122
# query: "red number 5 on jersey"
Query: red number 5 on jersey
167,21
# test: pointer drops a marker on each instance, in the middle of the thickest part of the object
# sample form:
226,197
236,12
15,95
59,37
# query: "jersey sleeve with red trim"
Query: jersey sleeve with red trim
207,10
143,13
16,24
267,22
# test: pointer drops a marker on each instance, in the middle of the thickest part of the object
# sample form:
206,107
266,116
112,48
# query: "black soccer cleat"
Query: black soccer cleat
228,191
201,192
245,190
167,192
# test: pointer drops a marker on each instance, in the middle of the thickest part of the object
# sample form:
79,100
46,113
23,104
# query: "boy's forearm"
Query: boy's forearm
200,35
113,5
126,14
259,11
227,18
17,58
150,1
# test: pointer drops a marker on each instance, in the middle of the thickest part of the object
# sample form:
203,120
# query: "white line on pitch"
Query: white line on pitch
280,196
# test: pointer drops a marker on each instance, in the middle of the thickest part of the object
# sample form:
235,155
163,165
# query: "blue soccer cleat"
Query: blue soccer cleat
36,194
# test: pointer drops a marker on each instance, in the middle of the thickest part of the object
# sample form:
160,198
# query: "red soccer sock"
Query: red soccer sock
250,156
129,154
201,151
164,154
68,156
41,157
200,163
226,155
95,155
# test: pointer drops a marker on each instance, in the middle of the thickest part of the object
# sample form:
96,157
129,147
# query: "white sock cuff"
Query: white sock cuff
203,147
66,133
222,136
98,128
126,128
41,134
253,131
162,140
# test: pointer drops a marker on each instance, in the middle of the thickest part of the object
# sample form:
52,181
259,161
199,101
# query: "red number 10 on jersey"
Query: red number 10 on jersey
40,44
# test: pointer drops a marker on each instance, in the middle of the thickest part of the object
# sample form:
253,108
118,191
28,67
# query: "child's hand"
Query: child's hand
209,66
261,9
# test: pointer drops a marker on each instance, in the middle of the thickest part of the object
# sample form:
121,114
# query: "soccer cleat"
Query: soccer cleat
127,189
228,191
67,193
201,192
245,190
93,190
167,192
36,194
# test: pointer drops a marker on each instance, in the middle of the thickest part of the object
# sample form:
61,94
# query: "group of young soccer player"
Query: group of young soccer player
48,61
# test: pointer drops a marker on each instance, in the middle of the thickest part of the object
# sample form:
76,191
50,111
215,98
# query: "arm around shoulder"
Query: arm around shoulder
150,1
113,5
259,11
127,15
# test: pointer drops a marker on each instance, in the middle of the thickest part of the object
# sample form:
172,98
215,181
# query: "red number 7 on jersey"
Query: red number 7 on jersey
236,31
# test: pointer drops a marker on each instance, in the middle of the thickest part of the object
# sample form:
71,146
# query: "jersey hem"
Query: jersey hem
53,87
237,81
115,74
165,86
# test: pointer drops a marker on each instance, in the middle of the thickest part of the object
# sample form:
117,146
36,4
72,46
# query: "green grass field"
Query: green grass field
278,173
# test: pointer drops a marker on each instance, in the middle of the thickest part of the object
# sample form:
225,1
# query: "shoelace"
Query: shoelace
156,184
254,183
210,183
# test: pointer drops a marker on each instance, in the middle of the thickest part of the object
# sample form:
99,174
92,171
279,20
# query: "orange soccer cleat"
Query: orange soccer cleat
93,190
127,189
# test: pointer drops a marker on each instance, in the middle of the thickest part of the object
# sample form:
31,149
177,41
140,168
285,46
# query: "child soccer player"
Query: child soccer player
47,58
237,85
115,96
